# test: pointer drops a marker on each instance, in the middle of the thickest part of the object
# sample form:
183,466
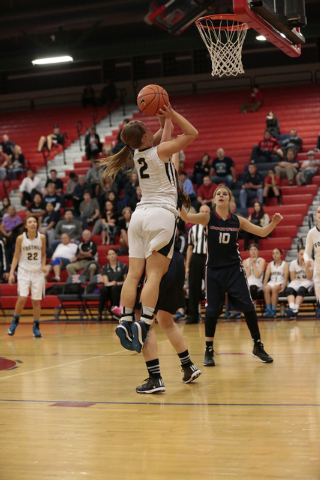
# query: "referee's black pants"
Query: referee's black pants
196,275
111,293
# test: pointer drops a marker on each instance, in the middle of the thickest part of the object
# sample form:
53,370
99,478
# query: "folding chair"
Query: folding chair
71,303
91,297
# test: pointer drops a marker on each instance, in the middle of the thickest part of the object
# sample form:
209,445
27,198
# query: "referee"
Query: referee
195,268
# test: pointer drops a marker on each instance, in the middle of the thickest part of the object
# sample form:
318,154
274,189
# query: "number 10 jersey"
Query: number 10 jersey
223,248
156,178
31,253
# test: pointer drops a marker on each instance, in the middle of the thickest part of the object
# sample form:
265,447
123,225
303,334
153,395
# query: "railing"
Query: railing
95,116
305,76
79,128
64,141
310,220
46,155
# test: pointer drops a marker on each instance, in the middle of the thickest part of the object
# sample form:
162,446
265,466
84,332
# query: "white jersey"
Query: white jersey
156,178
277,273
299,270
313,242
31,253
252,280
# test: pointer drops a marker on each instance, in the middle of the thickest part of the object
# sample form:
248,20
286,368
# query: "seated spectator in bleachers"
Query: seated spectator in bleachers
5,205
89,210
288,168
123,226
78,191
93,145
108,93
292,143
265,148
259,218
11,227
58,183
7,145
107,188
114,274
187,186
205,192
130,187
275,281
48,222
37,207
16,163
201,169
300,284
86,252
107,225
223,169
52,140
88,96
309,169
255,102
254,267
273,124
68,225
4,164
62,256
252,186
52,197
271,187
29,187
120,144
71,184
4,262
93,176
136,199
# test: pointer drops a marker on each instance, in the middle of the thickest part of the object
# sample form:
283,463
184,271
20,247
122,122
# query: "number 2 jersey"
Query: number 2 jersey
223,248
31,253
156,178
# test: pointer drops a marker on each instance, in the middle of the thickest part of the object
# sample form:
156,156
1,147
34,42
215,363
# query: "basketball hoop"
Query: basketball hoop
223,36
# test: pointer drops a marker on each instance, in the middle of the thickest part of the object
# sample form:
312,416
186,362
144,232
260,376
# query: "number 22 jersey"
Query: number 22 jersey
31,253
222,235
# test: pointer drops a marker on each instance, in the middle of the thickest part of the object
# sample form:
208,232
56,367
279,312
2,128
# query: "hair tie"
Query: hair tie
126,145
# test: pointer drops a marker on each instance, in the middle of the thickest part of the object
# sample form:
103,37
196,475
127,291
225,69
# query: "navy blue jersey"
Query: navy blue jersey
223,248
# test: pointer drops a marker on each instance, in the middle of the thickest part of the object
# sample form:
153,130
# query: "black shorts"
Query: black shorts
231,280
171,294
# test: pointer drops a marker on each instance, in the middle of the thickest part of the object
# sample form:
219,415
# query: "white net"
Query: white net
224,40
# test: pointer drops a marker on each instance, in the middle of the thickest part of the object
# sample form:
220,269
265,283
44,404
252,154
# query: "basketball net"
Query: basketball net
223,36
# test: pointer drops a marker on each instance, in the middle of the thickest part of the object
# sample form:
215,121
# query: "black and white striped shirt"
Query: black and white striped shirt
197,238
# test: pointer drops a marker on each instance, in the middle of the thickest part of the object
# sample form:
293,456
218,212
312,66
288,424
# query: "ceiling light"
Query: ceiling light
261,38
47,61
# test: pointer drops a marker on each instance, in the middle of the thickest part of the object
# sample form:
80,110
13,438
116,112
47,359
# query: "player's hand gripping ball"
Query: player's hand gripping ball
151,99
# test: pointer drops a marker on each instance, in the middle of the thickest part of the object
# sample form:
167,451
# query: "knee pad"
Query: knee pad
290,291
254,292
302,291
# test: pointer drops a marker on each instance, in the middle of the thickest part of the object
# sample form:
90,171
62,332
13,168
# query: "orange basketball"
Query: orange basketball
151,99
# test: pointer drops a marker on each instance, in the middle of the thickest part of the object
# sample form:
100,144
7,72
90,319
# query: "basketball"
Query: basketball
151,99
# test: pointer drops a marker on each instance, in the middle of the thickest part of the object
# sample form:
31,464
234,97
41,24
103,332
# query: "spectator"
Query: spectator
89,209
309,169
275,281
223,169
108,93
123,226
205,192
71,185
254,267
52,197
61,257
292,143
114,274
29,187
106,224
120,144
4,262
37,208
271,187
16,163
86,252
130,187
252,186
48,222
300,284
78,191
93,145
10,226
4,164
288,168
136,199
106,188
93,176
187,186
7,145
88,96
58,183
255,103
265,148
68,225
273,124
5,205
53,139
201,169
259,218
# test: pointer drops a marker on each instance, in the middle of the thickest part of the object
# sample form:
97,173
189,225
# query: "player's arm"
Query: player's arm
196,218
292,274
286,277
308,250
15,259
267,275
247,268
43,252
189,255
309,272
259,271
165,132
260,231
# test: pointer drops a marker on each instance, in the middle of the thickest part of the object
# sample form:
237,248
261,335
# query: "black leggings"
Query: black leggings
251,319
111,293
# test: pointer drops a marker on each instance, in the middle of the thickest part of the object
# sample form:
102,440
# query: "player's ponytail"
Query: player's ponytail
131,136
183,195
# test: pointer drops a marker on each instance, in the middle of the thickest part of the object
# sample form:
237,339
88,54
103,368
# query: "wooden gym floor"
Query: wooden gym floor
68,407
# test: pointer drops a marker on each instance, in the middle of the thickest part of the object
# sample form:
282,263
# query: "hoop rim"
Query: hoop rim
226,16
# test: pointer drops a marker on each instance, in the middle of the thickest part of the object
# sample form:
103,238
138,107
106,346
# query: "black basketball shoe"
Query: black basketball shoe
152,385
208,358
259,352
139,332
124,332
191,372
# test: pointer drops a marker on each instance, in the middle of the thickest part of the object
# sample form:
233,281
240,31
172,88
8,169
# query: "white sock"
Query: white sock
292,305
296,307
